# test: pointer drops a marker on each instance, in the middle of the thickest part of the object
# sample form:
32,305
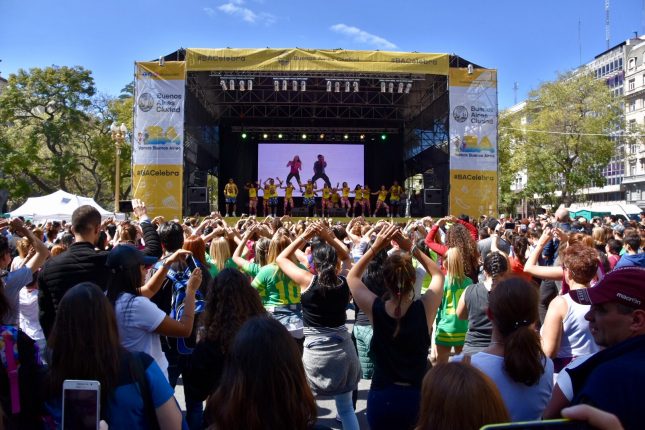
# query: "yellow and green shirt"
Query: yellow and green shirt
276,288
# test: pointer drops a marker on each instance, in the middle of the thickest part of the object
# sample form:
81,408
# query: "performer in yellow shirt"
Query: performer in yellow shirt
271,191
288,195
309,199
395,197
367,206
358,199
325,204
252,188
230,194
344,199
382,195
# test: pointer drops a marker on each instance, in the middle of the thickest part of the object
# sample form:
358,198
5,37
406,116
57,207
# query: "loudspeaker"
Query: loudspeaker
432,196
337,212
197,195
198,208
299,212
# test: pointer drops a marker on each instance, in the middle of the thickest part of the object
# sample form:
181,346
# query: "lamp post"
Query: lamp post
118,136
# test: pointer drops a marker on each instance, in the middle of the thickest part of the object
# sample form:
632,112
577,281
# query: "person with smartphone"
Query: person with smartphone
93,377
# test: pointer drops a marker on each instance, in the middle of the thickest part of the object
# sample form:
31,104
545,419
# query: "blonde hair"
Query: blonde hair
220,252
23,247
278,244
454,264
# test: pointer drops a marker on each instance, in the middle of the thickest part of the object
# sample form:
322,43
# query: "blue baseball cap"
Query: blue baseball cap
127,255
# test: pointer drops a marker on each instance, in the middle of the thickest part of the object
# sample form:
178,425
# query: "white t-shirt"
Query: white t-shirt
29,314
524,403
138,318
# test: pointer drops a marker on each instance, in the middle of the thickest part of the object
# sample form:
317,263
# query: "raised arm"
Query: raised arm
42,253
237,255
531,266
183,327
432,243
153,285
288,267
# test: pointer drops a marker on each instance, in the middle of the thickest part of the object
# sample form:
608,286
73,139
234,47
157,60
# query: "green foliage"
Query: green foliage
564,144
54,134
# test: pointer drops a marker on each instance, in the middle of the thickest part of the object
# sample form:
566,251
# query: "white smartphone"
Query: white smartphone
81,405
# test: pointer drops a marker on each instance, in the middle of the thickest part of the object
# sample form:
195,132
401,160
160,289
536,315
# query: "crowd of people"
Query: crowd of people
458,322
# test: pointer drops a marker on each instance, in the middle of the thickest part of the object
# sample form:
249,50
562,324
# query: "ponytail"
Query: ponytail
325,260
513,304
496,265
399,275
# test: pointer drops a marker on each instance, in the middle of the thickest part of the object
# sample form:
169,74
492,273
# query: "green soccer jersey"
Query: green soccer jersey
276,288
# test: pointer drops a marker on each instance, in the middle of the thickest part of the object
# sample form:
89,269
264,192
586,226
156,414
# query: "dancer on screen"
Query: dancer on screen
319,171
380,201
252,188
230,193
295,166
344,199
395,197
288,196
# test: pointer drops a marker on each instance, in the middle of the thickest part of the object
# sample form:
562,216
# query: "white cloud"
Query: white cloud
235,8
209,11
362,36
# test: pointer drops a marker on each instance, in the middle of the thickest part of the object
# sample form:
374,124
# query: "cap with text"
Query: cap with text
624,285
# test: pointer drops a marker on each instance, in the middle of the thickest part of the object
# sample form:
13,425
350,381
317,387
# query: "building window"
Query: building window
632,84
631,64
632,168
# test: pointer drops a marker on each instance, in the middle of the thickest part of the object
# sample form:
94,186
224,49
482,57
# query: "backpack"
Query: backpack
179,281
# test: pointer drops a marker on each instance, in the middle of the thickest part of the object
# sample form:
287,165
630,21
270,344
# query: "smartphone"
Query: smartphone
557,424
81,405
125,206
509,226
192,263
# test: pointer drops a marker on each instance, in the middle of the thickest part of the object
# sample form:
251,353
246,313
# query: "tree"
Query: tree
566,142
54,134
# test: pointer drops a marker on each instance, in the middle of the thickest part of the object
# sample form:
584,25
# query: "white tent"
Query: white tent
57,207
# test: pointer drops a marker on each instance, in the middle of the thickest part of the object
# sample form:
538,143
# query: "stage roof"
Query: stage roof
315,60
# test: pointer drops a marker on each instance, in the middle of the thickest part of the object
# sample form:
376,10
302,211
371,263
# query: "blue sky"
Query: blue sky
528,42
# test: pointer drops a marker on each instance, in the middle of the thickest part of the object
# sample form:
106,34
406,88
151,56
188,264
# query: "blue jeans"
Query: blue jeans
345,408
393,407
177,363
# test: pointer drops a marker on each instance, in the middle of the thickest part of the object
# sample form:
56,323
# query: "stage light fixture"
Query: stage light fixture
400,89
279,135
243,135
303,86
223,85
337,87
249,85
276,85
362,136
322,136
356,86
284,85
304,136
382,86
408,87
294,85
390,87
347,86
241,85
383,136
265,136
231,84
346,136
329,86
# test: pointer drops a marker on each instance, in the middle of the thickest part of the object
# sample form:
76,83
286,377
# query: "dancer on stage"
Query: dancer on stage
334,201
382,195
272,193
319,171
325,203
309,199
358,200
367,206
252,188
295,166
266,194
344,200
395,197
230,193
288,195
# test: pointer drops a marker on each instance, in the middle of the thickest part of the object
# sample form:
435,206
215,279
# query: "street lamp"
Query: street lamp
118,136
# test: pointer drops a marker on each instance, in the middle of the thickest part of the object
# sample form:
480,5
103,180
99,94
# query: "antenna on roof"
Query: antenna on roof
607,22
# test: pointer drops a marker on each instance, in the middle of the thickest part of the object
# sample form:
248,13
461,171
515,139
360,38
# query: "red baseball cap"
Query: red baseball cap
625,285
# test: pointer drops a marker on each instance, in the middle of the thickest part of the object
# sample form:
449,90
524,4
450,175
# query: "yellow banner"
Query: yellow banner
170,71
480,77
160,187
473,192
301,60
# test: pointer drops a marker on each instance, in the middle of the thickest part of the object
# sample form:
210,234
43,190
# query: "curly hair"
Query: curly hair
458,236
230,303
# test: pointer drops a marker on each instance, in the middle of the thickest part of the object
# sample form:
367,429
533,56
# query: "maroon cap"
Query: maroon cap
625,285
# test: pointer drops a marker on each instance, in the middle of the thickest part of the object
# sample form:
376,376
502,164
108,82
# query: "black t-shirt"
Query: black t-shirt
325,307
404,358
